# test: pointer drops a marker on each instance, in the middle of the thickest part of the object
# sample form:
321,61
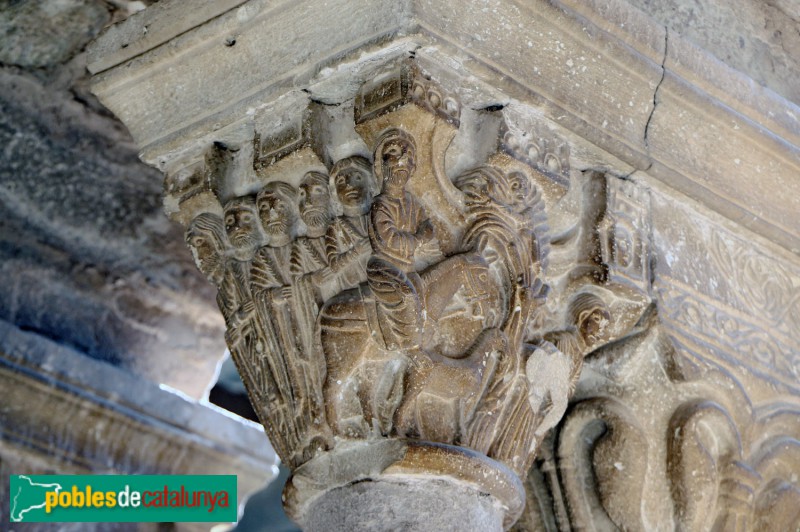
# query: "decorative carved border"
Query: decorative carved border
742,339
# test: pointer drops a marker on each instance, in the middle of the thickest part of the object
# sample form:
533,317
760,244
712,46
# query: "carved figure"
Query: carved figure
399,226
286,311
314,203
362,320
244,234
554,365
242,228
205,237
279,216
499,208
347,243
461,360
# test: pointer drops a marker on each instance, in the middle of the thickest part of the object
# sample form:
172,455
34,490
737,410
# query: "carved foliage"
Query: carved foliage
738,335
603,455
703,441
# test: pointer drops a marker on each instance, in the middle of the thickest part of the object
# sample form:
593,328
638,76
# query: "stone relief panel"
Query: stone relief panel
377,296
728,298
374,295
706,455
687,408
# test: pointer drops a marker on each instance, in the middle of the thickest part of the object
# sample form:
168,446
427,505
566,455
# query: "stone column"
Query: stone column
421,221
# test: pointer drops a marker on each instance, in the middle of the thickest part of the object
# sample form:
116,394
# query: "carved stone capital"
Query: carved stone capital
389,277
422,229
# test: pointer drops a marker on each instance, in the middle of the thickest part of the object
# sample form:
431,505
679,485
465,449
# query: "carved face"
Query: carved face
352,189
593,324
205,239
241,223
314,202
398,161
520,188
277,210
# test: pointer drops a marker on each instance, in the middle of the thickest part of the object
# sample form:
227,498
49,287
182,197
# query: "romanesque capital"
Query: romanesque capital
397,299
459,267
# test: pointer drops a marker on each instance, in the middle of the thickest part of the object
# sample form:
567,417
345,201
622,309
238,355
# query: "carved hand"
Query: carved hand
286,293
324,275
363,246
425,231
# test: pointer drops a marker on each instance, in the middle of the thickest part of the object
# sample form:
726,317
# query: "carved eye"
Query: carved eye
392,152
246,217
340,180
230,220
483,277
198,241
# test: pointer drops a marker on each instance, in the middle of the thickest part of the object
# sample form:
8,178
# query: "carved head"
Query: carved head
520,189
314,201
591,317
475,185
354,184
241,223
205,236
395,158
277,209
512,190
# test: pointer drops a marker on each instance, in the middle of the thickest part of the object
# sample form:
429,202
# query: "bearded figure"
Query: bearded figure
206,239
245,329
244,234
347,244
399,227
314,204
286,311
242,228
277,211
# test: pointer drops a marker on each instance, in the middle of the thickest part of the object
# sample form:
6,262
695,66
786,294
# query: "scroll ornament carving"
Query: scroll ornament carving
359,309
757,283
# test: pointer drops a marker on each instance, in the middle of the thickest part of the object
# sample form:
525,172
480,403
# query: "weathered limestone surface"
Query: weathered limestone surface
423,219
758,38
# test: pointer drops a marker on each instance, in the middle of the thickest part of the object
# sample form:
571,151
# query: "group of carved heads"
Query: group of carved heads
490,275
280,212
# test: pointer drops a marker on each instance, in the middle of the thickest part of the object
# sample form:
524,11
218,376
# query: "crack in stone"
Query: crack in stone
655,94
